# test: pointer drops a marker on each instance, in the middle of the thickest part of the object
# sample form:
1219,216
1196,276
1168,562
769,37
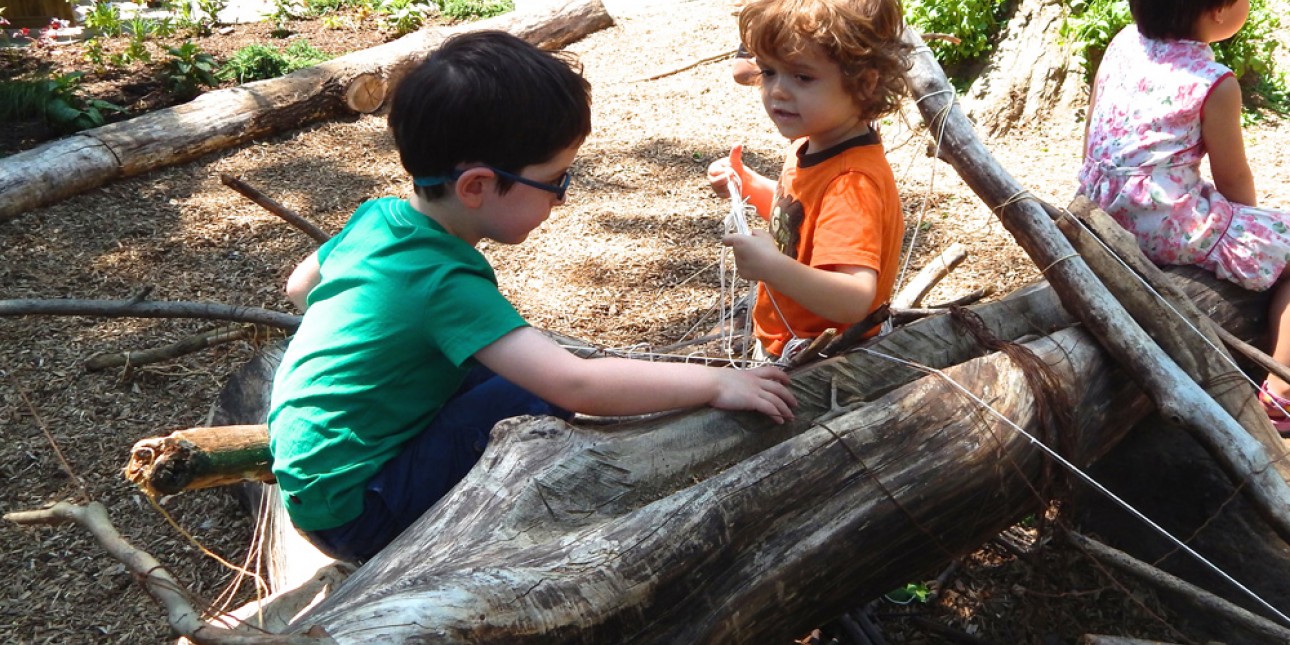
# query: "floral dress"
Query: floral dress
1142,164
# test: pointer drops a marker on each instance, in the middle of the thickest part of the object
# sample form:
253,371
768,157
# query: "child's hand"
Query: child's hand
763,389
756,255
723,172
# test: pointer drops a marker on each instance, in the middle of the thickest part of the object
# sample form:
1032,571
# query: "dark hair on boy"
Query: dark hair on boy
491,98
1171,19
863,36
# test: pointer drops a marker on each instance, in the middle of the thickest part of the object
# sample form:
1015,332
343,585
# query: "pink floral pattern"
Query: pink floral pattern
1142,164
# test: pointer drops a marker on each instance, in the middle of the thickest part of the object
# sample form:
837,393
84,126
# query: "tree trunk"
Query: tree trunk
1031,74
224,118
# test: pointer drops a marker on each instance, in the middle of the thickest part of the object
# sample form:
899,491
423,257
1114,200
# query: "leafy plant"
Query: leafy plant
974,22
471,9
323,7
188,69
105,18
284,11
912,592
137,49
211,9
140,27
164,27
257,62
58,100
94,54
1090,27
404,16
1250,53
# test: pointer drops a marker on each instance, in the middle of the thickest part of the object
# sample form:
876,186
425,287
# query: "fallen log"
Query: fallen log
557,535
573,482
356,82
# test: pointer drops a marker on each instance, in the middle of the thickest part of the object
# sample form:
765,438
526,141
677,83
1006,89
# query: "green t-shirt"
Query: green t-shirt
401,307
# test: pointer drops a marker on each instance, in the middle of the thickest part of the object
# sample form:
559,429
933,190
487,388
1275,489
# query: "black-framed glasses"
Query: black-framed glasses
559,189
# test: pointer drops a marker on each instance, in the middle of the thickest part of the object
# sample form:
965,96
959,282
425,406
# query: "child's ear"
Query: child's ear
472,186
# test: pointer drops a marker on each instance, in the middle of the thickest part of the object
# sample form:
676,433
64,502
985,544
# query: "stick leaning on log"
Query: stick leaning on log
1174,392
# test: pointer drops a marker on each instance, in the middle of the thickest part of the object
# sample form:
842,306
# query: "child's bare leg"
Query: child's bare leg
1279,334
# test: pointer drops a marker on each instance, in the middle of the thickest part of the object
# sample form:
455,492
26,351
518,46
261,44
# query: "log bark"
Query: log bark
225,118
165,464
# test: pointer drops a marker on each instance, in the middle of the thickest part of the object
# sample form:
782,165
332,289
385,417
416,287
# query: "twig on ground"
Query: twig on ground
268,203
150,309
180,613
1199,598
702,61
194,343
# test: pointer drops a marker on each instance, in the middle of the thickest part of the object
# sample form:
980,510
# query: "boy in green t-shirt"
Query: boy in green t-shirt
408,354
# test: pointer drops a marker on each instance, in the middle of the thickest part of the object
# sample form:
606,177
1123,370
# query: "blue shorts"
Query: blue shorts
430,464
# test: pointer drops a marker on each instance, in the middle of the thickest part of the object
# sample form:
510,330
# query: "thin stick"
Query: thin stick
150,309
1198,597
180,613
293,218
930,275
194,343
1253,353
702,61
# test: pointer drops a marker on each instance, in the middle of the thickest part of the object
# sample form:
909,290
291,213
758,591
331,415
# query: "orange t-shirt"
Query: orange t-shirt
832,208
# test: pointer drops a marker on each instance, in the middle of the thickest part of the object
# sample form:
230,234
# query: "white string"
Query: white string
1083,476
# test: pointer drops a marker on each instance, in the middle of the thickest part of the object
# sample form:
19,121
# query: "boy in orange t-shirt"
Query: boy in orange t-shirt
828,69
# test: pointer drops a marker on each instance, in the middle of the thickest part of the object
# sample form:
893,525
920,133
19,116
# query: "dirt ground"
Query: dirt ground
633,257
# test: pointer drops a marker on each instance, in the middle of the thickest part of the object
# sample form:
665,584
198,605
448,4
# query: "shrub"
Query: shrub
188,69
1250,53
257,62
105,18
57,100
974,22
472,9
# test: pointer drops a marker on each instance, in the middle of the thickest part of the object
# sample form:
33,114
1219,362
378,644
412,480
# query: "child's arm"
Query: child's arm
303,280
618,386
759,189
842,293
1220,129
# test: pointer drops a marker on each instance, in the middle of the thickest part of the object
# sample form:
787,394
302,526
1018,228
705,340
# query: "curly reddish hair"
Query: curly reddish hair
862,36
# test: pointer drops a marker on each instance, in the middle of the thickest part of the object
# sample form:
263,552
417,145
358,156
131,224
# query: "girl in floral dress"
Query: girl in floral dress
1159,105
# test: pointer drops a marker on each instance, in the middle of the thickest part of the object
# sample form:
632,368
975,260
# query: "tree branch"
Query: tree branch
180,613
150,309
194,343
269,204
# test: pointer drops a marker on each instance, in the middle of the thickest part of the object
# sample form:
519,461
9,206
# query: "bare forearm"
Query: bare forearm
842,297
615,386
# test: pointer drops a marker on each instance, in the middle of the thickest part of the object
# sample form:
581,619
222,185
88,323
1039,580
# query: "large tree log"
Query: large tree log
556,485
760,552
225,118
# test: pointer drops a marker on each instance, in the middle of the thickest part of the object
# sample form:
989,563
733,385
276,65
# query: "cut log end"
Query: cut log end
199,458
365,93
